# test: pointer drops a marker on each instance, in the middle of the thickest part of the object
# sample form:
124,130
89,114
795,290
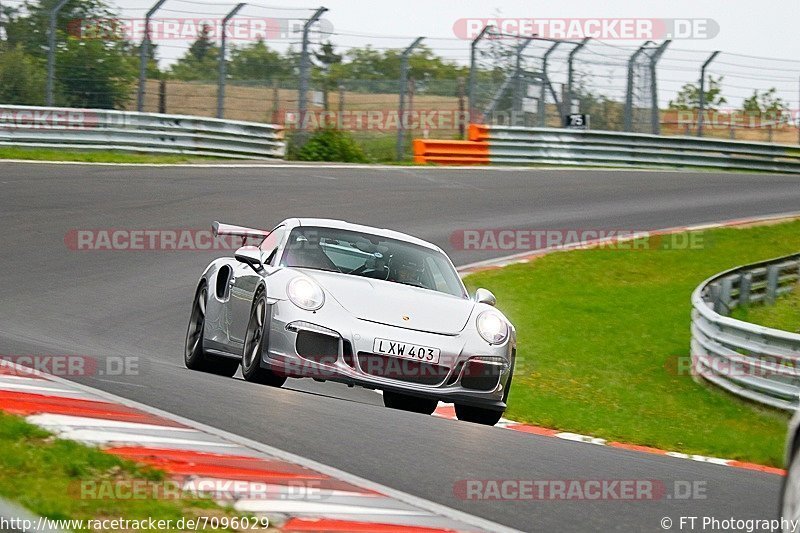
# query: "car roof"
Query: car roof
381,232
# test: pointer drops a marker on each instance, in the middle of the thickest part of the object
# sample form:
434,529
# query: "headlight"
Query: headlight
305,294
492,327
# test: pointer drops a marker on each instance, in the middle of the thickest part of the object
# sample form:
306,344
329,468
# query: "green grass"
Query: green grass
600,336
100,156
45,475
785,314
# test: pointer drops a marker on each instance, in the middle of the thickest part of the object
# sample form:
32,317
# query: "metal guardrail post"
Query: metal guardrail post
51,52
655,112
628,118
305,73
222,61
745,287
772,284
703,92
144,55
473,72
401,116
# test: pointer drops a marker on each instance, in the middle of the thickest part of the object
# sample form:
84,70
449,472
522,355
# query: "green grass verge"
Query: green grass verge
100,156
603,333
45,475
785,314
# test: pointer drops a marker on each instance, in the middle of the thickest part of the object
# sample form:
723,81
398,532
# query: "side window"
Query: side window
270,244
438,279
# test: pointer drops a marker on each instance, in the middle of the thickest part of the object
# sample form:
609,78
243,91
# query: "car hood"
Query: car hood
396,304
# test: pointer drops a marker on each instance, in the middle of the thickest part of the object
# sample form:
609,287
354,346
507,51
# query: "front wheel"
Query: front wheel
194,356
254,346
478,415
395,400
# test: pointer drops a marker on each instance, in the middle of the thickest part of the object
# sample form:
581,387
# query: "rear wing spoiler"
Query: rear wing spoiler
258,235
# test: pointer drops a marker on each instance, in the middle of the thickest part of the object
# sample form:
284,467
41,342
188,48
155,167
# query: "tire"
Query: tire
194,356
394,400
254,346
478,415
790,493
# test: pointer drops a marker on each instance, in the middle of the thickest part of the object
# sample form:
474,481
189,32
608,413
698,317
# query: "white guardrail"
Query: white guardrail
755,362
527,146
101,129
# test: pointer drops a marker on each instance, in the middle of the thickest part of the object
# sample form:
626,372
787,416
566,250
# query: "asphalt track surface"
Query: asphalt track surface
59,301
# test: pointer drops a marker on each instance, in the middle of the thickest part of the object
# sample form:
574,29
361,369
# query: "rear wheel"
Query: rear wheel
194,356
254,346
790,494
478,415
394,400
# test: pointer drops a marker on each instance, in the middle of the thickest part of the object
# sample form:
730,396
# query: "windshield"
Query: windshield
371,256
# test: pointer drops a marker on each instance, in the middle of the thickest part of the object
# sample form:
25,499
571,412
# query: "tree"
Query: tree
92,70
258,62
688,98
92,74
767,102
200,61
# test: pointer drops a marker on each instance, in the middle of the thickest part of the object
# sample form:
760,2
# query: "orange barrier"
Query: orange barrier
451,152
478,132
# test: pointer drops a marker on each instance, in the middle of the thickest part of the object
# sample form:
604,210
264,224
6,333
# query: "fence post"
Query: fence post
222,63
162,96
144,55
567,104
509,79
703,92
461,108
655,112
401,128
305,72
545,81
275,102
51,52
473,72
629,89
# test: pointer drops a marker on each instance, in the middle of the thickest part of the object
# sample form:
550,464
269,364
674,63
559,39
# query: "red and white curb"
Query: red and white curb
446,411
296,494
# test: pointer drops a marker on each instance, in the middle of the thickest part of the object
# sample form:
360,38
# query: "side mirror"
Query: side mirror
484,296
250,255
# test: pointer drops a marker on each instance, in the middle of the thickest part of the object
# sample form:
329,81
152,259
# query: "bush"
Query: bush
330,144
22,78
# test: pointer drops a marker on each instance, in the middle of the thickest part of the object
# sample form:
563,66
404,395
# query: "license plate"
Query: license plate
405,350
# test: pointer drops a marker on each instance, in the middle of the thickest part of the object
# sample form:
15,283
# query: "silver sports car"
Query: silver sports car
372,307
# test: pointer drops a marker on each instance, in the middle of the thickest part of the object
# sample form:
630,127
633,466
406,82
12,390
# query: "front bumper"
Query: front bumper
330,344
